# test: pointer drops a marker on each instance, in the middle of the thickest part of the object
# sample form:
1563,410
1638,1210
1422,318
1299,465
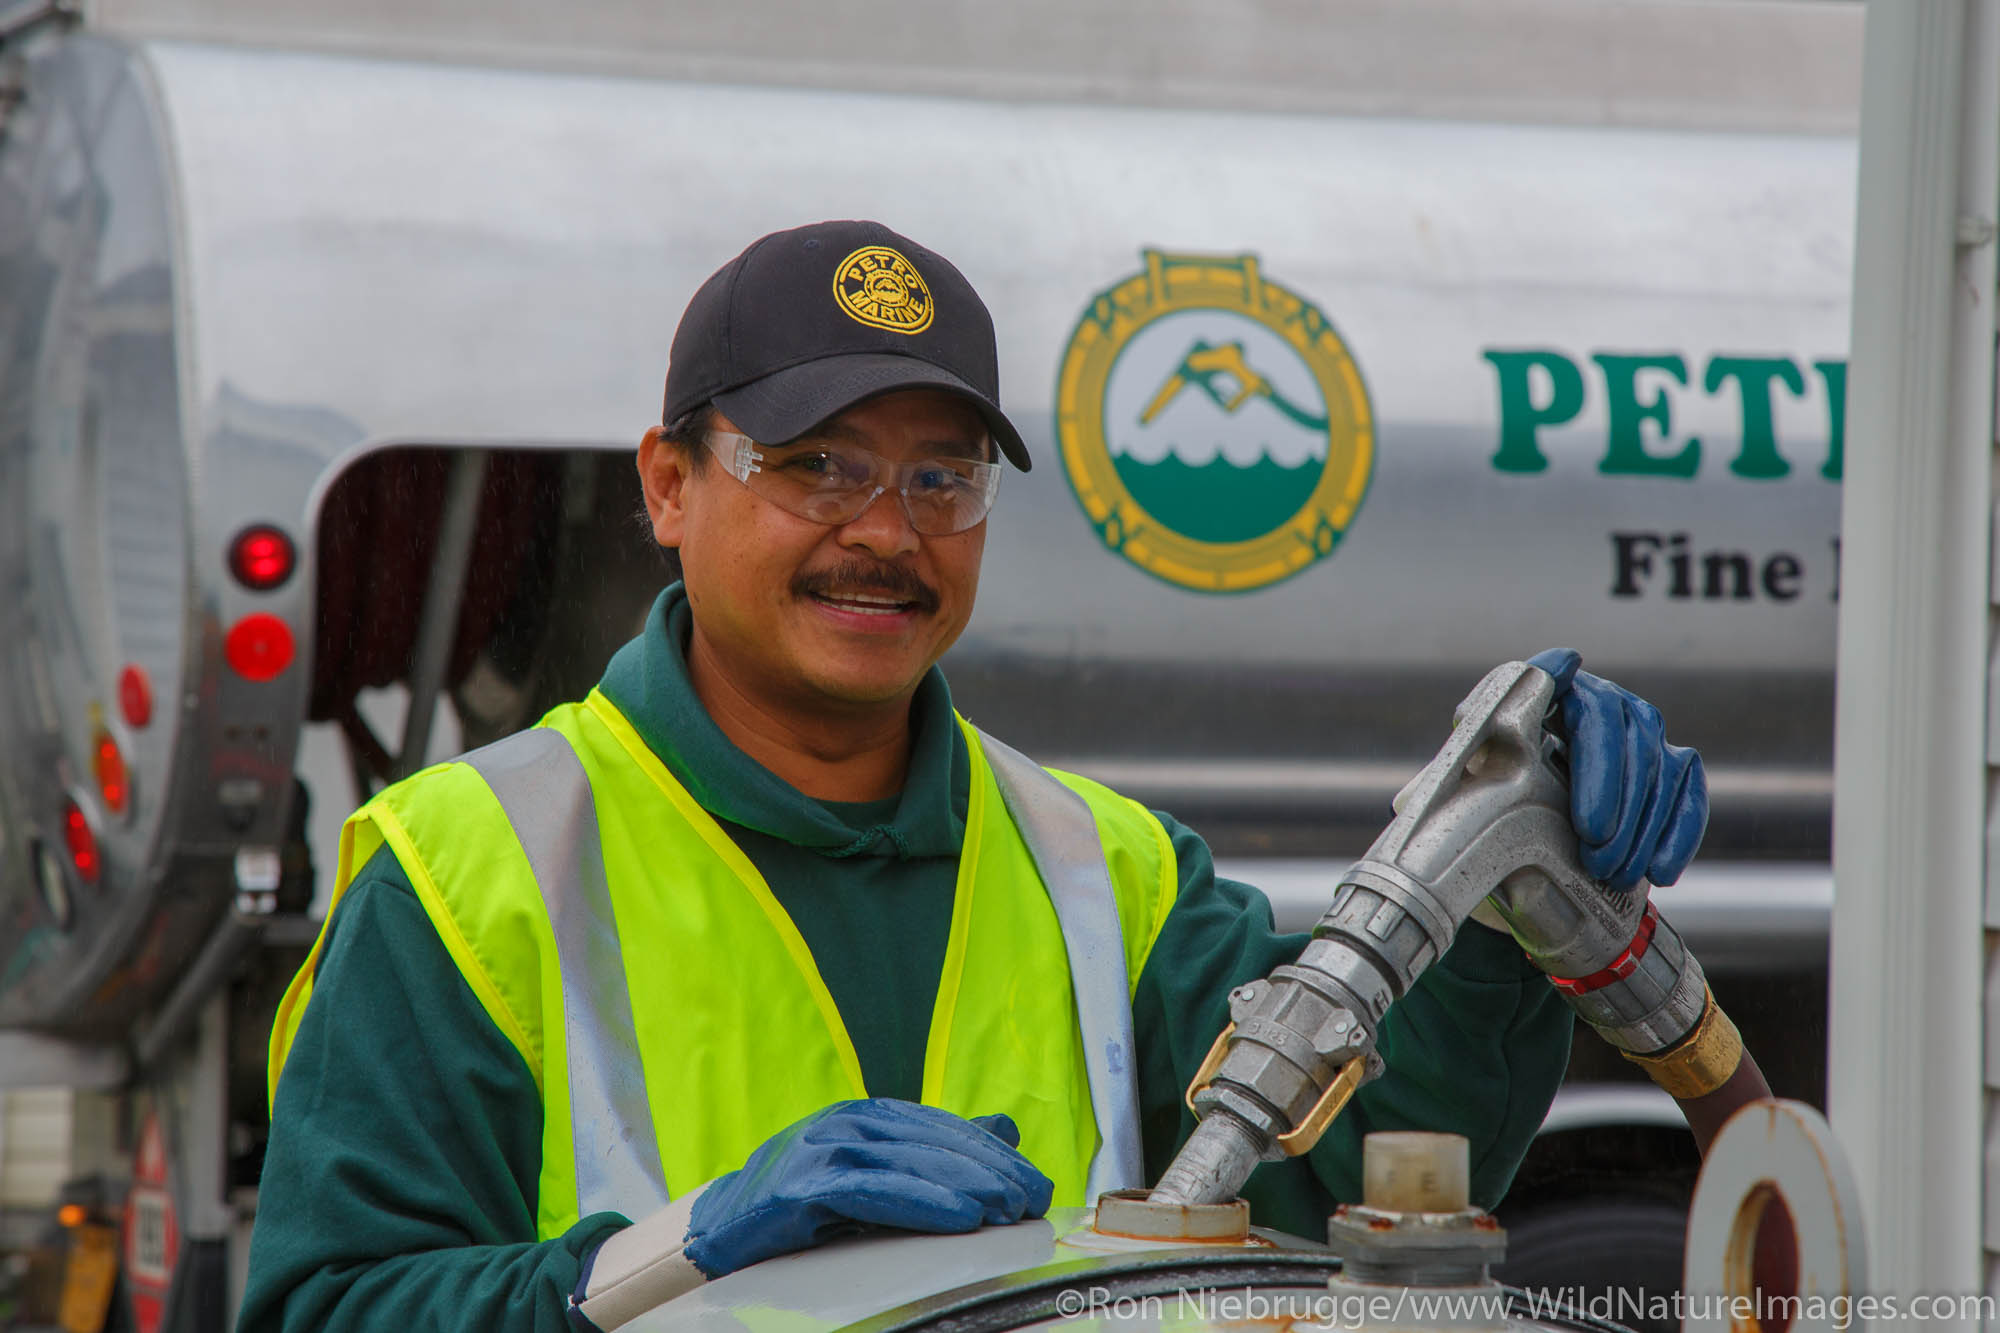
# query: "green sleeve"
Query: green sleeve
399,1188
1477,1047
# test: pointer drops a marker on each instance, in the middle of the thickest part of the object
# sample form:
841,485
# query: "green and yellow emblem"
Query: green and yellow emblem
1213,424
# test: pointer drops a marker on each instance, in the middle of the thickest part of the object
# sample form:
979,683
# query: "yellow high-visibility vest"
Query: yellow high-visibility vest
668,1007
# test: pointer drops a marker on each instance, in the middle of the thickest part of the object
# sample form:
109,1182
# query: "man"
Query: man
750,947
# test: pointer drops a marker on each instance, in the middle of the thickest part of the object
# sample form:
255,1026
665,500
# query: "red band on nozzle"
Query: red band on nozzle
1621,967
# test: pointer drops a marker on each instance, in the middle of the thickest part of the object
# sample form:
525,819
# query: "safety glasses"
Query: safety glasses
833,483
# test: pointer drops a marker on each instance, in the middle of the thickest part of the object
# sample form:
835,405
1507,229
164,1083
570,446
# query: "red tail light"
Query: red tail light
135,696
114,779
82,843
259,647
262,557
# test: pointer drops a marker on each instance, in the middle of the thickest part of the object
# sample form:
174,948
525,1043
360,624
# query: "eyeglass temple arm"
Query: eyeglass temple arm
737,452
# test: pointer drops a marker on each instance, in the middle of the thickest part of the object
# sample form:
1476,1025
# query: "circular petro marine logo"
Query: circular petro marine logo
877,286
1213,424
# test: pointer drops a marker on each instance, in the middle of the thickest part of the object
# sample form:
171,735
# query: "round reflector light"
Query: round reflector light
82,843
114,779
259,647
135,696
261,557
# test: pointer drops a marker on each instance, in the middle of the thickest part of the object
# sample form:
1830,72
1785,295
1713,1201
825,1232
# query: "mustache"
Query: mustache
867,576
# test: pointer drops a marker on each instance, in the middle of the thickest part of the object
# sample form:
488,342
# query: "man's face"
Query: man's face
792,611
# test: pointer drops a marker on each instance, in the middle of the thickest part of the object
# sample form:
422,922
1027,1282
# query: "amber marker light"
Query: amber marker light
114,779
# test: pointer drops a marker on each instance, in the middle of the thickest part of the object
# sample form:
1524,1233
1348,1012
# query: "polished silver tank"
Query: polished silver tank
1578,368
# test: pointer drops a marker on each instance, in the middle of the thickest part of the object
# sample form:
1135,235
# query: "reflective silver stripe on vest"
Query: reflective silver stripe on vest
542,787
1061,834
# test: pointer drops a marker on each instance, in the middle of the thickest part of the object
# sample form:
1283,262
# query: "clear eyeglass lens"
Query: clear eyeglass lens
834,483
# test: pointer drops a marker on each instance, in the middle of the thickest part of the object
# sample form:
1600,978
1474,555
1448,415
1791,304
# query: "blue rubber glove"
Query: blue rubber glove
878,1163
1639,804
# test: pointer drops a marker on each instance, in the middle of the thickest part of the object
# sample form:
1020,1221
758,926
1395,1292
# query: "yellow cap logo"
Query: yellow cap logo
876,285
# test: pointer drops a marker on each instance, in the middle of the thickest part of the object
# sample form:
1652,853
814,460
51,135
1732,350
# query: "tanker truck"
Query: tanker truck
330,330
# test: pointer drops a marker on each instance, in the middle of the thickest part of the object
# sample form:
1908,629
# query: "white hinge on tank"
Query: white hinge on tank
1990,989
1990,1003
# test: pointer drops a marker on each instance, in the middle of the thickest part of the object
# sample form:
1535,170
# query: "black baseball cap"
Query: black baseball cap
808,322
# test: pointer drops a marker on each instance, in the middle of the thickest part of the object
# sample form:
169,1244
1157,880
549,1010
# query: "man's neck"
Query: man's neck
854,754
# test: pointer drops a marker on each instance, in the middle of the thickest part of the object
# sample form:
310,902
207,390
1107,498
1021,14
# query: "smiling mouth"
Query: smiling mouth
866,604
868,590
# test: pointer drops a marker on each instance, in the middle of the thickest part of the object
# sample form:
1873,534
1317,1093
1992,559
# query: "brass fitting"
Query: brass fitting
1700,1062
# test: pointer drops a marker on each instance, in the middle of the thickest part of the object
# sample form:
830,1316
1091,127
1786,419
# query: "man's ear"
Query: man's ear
663,473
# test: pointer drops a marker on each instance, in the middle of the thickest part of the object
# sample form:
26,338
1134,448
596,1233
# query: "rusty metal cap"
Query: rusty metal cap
1133,1213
